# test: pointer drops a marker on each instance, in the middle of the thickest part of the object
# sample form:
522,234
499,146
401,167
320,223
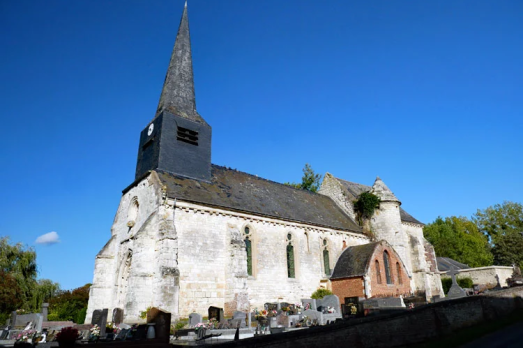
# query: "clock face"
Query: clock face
150,130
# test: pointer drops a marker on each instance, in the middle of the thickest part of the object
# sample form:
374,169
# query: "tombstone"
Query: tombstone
100,318
223,324
455,290
140,333
195,318
12,321
117,316
4,333
271,306
314,316
216,313
120,336
330,301
162,321
309,303
385,302
240,316
45,311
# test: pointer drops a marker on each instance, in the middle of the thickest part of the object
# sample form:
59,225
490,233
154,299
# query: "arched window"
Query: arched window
307,241
398,269
132,212
326,260
290,257
378,271
248,248
386,262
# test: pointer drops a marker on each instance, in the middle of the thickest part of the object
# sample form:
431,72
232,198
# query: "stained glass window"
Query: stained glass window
248,249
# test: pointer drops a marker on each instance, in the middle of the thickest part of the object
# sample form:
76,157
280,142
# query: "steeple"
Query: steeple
177,140
177,95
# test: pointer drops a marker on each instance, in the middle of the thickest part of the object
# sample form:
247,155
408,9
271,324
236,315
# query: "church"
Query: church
189,234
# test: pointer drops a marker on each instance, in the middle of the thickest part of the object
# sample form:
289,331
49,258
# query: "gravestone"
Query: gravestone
271,306
162,321
309,303
194,318
216,313
12,320
240,316
121,335
45,311
455,290
117,316
140,332
330,301
313,316
100,318
385,302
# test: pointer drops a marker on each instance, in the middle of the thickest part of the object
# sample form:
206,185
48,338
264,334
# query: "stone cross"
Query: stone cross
455,290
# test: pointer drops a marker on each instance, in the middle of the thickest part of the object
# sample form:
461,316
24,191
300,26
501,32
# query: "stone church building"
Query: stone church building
189,234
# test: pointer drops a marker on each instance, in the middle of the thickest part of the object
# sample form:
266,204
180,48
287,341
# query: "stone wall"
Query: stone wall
332,188
430,322
213,272
487,276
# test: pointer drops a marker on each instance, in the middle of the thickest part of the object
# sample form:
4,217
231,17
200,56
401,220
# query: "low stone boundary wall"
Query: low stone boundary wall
429,322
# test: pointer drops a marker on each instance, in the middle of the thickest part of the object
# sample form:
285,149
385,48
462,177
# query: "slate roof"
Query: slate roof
353,261
445,264
354,190
232,189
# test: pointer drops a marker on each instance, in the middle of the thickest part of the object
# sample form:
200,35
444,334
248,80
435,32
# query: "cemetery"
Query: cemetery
309,320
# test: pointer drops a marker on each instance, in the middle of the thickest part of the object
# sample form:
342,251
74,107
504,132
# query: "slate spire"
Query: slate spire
177,95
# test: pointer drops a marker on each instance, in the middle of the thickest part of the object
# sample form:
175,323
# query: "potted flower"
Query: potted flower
94,333
67,337
25,338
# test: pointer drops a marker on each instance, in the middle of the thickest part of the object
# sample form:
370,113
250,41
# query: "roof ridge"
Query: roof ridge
268,180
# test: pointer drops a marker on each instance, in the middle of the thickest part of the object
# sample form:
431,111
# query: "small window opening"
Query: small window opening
378,271
386,261
187,136
398,269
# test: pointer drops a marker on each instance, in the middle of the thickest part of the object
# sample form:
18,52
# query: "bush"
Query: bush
463,282
320,293
80,316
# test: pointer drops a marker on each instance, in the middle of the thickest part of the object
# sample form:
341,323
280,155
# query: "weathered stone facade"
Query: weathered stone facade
178,241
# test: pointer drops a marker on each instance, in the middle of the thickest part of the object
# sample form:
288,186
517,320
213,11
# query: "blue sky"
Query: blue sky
425,94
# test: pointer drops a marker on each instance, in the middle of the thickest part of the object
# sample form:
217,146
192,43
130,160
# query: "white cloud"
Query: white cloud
48,238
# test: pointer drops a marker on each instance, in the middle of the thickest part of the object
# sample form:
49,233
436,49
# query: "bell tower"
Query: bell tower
177,140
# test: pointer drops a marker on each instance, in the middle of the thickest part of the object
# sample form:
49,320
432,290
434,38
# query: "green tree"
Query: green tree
45,289
310,181
69,305
20,264
459,239
10,296
503,224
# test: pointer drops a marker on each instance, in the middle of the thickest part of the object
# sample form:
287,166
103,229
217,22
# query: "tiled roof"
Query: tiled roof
446,263
232,189
353,261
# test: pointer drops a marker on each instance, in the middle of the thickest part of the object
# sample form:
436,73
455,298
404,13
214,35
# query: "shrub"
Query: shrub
67,334
320,293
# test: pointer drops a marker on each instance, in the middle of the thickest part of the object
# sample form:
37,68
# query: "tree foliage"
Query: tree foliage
20,264
365,205
310,181
460,239
503,224
69,305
